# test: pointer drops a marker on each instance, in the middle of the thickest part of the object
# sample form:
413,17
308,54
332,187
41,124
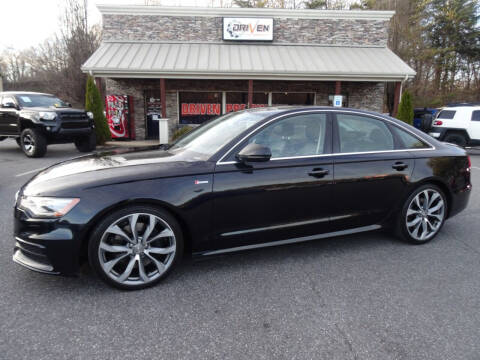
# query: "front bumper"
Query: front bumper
32,256
47,246
57,133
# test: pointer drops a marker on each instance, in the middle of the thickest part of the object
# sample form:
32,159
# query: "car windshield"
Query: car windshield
40,100
213,135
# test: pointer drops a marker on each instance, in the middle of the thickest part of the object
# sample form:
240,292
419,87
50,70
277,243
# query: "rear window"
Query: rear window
476,115
446,114
409,141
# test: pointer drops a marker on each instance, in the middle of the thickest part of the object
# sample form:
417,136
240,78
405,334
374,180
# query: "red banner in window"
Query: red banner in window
238,107
201,109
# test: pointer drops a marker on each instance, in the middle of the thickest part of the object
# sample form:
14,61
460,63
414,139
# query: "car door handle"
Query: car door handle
318,173
399,166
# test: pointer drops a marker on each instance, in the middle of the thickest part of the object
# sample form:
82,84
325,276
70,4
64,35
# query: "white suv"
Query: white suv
458,125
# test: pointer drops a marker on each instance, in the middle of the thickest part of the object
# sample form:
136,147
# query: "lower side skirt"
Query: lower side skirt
294,240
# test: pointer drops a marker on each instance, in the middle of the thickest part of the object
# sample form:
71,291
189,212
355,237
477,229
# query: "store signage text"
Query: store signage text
238,107
248,29
201,109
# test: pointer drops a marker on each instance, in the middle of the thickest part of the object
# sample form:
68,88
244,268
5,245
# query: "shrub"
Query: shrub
181,131
94,104
405,109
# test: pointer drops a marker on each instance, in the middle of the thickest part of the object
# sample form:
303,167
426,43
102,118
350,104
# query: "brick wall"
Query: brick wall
361,95
285,30
365,96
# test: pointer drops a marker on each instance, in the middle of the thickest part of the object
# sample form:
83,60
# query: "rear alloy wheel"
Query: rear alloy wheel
86,143
136,247
423,214
457,139
33,143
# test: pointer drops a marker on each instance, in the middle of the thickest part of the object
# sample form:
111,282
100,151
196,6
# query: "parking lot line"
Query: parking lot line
28,172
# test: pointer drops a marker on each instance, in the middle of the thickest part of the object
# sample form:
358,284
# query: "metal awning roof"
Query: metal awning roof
246,61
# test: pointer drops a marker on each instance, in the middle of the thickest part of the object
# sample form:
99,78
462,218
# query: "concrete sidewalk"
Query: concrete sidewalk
132,143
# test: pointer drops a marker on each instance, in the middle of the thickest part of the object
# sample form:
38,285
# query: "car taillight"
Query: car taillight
438,122
469,163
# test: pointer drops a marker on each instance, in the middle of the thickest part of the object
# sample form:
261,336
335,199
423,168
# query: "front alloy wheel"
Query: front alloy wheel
33,143
424,214
136,247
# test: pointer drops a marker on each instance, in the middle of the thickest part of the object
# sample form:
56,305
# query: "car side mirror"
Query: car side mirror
69,105
254,153
9,105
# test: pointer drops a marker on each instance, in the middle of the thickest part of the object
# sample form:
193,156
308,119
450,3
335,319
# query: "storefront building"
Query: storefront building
192,64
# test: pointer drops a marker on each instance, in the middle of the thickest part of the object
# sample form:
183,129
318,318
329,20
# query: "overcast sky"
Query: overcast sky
24,23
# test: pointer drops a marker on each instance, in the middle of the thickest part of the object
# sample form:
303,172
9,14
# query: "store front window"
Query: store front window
198,107
236,101
289,98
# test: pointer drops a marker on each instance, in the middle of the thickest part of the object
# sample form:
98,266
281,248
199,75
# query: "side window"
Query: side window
476,115
360,133
446,114
7,99
409,141
300,135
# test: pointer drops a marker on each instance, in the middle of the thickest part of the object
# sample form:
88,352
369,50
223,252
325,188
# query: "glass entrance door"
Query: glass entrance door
153,112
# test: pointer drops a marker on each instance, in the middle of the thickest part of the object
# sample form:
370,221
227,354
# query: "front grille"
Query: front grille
73,116
74,120
75,125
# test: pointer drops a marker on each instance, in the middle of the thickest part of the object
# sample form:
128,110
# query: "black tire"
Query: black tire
402,219
456,138
95,254
19,143
86,143
33,143
426,124
2,138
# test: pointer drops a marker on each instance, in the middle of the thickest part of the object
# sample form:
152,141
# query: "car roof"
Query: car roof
23,93
455,108
285,110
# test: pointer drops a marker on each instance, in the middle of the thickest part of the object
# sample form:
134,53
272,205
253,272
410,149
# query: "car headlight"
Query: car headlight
47,207
47,115
90,115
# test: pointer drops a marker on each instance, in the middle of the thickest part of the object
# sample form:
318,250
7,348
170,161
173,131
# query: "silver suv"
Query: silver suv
458,125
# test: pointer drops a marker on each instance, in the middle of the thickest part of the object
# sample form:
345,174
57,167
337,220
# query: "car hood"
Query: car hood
52,108
114,167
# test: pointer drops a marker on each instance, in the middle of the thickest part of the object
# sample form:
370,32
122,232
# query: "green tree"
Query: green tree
453,33
94,104
315,4
250,3
405,109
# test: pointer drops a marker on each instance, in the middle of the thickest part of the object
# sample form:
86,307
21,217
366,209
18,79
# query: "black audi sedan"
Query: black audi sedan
245,180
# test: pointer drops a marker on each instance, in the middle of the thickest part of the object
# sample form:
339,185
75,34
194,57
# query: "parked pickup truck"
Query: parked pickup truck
36,120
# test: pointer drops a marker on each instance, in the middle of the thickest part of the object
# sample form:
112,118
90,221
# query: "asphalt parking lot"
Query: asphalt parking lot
364,296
